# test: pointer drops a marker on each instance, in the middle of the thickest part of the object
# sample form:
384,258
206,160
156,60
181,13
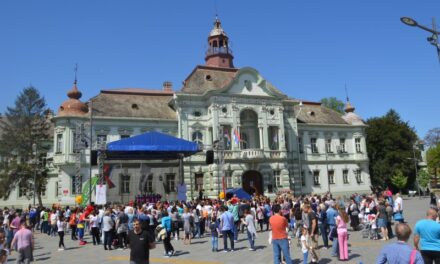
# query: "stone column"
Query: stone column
260,132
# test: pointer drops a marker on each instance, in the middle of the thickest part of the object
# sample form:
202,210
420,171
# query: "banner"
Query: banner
86,191
101,194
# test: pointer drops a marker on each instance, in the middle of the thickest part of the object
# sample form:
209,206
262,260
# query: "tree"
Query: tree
433,162
423,179
22,126
432,137
399,180
390,144
333,103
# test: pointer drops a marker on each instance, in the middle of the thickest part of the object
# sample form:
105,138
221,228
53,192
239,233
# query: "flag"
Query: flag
228,138
106,170
236,136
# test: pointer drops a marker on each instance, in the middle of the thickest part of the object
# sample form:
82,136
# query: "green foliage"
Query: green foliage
423,178
390,147
22,126
333,103
433,159
399,180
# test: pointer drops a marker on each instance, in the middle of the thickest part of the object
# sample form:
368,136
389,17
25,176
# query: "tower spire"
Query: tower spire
219,54
348,107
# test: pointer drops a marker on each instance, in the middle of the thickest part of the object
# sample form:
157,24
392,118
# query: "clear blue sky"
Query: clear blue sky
308,49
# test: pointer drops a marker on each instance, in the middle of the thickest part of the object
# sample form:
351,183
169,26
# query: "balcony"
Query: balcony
252,154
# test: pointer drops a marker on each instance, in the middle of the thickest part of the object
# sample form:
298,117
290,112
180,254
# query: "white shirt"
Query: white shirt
398,202
304,244
93,221
60,226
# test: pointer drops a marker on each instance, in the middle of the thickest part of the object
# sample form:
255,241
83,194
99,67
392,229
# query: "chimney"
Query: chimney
167,86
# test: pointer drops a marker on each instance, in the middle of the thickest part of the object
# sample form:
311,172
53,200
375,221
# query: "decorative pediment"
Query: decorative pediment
125,131
100,130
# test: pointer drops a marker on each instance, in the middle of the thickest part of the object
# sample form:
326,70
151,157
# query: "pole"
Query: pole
90,154
415,167
34,148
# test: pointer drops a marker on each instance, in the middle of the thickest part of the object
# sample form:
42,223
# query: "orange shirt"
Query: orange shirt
279,225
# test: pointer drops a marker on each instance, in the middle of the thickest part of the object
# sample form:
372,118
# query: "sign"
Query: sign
86,190
181,192
65,192
101,194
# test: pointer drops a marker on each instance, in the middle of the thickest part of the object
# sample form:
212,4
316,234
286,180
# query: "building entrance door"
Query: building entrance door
252,182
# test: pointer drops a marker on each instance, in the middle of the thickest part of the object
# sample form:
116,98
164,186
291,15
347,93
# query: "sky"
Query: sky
307,49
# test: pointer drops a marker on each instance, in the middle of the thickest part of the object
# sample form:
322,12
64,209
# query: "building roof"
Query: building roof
204,78
316,113
73,106
134,103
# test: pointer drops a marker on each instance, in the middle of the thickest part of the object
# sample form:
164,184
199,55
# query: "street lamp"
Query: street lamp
34,152
433,39
415,167
298,147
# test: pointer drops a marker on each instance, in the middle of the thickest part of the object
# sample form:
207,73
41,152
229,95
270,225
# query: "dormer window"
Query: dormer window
208,77
197,113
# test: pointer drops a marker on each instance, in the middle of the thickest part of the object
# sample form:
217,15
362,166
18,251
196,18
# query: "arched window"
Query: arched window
214,43
198,138
244,141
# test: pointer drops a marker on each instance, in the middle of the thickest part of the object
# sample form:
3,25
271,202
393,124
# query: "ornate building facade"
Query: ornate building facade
269,141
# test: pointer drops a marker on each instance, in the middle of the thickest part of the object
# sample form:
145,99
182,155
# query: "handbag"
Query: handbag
398,216
333,233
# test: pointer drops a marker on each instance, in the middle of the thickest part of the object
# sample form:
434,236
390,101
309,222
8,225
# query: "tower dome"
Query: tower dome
73,106
219,54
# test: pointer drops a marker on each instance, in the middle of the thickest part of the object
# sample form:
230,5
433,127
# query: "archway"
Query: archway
249,132
252,182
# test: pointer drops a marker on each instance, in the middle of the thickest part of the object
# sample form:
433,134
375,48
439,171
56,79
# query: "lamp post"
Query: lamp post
34,152
299,150
415,168
433,39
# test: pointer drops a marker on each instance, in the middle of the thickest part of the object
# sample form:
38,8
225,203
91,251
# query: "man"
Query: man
398,204
313,232
25,244
331,222
122,228
427,237
227,226
140,241
400,251
280,242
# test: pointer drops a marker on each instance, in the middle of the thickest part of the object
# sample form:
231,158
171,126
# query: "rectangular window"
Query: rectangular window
76,143
101,141
313,145
125,183
358,174
331,176
125,136
328,145
171,182
76,188
22,191
43,191
358,145
301,146
59,146
316,177
148,187
277,177
342,145
303,178
199,181
273,138
228,179
345,176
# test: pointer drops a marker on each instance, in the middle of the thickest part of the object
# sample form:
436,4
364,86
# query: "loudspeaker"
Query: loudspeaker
94,157
209,157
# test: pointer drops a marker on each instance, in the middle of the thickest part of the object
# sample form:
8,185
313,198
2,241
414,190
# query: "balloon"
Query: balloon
78,199
221,195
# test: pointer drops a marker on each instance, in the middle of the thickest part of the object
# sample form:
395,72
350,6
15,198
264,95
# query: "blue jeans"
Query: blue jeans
251,239
226,234
196,232
214,243
305,256
235,230
335,247
279,245
324,234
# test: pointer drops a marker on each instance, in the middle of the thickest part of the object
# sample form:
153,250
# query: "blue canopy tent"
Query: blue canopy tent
151,146
239,193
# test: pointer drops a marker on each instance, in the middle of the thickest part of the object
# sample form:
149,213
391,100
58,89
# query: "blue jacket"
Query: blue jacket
331,214
166,223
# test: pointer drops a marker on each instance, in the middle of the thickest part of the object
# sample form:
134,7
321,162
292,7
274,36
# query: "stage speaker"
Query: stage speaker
94,157
209,157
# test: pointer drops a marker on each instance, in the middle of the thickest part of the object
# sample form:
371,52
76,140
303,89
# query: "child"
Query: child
372,220
305,244
61,226
214,234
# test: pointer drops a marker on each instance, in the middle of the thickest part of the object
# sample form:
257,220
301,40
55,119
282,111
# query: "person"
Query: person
227,227
72,223
341,224
107,228
313,232
61,226
353,212
305,244
4,252
166,224
322,222
389,211
122,228
249,221
280,242
187,219
433,200
331,216
427,237
398,207
94,228
214,234
140,242
400,252
24,241
382,219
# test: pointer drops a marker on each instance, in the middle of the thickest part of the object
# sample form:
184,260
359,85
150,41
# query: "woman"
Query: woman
107,228
61,226
72,222
94,228
341,223
175,223
166,224
382,219
260,216
187,226
249,221
353,211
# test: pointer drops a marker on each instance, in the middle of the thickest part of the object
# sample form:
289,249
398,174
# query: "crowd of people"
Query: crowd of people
290,221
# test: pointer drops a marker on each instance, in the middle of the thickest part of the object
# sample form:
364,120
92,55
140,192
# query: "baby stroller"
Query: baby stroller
366,231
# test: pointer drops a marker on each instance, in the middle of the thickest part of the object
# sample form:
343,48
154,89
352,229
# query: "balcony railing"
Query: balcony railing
252,154
218,50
